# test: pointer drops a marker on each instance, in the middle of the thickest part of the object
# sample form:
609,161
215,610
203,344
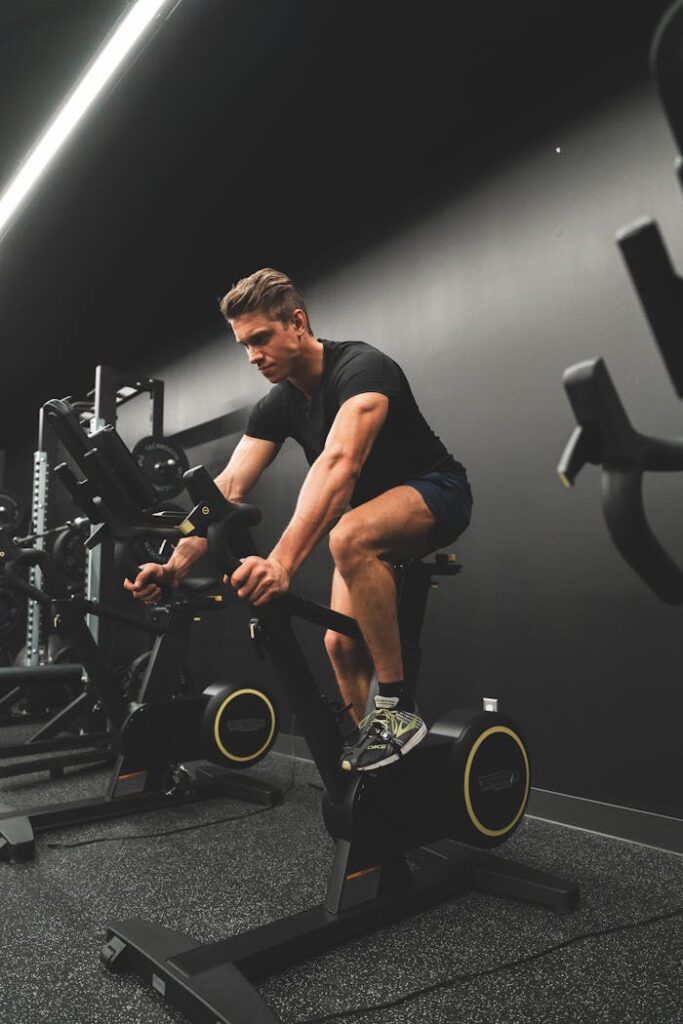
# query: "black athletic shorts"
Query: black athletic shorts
448,496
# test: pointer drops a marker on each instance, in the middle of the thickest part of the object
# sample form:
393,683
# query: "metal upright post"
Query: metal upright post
40,493
113,389
104,412
156,415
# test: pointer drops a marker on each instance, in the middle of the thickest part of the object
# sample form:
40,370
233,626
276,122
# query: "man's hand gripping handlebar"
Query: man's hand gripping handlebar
215,524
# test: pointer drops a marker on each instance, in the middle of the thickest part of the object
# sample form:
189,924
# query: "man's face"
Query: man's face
272,347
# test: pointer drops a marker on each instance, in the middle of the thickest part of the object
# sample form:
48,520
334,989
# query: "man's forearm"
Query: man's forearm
323,498
189,549
228,486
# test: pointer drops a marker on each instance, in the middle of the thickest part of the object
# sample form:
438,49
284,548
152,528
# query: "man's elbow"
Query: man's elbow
341,462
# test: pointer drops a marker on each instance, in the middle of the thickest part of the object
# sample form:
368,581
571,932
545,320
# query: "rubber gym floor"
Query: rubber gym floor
217,868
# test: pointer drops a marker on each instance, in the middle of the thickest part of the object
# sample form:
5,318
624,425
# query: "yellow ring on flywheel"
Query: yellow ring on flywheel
217,720
468,771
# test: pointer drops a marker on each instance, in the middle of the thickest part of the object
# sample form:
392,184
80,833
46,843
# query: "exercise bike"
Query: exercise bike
467,782
167,747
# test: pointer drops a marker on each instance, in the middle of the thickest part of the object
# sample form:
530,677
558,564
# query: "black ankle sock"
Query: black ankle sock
394,690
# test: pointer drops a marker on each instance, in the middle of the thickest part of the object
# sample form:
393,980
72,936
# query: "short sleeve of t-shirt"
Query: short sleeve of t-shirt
269,419
365,369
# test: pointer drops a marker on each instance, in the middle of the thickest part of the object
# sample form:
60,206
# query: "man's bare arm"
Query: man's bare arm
329,485
247,462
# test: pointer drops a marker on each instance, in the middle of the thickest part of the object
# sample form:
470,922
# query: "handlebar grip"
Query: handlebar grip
662,456
583,446
624,512
605,436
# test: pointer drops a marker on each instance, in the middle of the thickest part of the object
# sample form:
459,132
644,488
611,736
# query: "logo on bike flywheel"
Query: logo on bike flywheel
496,782
244,725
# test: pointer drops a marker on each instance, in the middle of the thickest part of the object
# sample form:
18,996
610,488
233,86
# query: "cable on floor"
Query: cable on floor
184,828
462,979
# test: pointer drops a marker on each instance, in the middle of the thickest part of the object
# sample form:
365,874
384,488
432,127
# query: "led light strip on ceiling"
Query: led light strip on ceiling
100,72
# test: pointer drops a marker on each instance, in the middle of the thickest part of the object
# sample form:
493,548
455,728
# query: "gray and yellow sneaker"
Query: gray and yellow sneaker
386,735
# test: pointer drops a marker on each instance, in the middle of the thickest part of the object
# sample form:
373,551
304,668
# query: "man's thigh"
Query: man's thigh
397,522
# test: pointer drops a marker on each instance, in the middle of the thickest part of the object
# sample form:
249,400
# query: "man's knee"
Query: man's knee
348,543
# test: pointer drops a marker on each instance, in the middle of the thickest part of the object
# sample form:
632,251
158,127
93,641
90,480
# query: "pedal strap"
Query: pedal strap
379,728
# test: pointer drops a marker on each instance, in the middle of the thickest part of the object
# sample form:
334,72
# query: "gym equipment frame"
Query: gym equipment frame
468,781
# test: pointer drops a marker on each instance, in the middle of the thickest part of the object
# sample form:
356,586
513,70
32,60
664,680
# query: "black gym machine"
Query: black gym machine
604,435
44,680
11,611
468,782
168,747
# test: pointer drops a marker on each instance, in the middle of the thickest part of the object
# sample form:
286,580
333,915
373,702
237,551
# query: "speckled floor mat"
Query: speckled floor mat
477,959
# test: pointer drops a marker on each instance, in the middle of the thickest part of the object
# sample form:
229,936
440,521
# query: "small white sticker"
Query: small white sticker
159,984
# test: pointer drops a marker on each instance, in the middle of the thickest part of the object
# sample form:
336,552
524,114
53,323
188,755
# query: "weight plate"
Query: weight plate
151,550
10,611
155,549
21,657
163,463
60,651
69,554
136,674
11,511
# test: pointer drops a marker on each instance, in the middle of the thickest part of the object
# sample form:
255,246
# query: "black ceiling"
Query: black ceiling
251,132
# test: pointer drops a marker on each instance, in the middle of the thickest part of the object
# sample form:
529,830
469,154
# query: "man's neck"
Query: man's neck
307,375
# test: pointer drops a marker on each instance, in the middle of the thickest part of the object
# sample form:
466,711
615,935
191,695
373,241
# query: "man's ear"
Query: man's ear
300,320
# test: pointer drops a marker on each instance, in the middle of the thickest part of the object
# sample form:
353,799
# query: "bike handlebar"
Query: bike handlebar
606,437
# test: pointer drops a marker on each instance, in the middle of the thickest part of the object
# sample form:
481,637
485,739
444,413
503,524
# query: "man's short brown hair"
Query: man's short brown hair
266,291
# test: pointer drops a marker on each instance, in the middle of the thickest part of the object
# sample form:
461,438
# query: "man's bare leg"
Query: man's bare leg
350,658
397,522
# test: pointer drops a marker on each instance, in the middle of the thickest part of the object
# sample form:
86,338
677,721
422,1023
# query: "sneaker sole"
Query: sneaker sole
412,742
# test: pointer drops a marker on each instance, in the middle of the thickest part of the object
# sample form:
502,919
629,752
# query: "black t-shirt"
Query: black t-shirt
405,447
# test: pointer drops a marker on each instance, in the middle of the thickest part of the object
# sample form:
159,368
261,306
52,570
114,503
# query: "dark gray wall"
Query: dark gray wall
484,302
